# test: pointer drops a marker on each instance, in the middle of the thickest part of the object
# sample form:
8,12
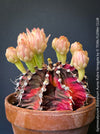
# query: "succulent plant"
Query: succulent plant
58,86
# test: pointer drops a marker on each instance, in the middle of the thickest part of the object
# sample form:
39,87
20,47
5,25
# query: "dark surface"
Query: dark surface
74,19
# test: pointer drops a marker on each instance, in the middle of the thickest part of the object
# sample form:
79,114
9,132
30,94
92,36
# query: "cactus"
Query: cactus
51,87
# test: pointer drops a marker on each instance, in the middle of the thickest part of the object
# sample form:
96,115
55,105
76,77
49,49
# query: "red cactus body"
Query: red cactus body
51,89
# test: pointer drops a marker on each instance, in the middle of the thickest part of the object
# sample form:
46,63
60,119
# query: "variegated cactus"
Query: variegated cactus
58,86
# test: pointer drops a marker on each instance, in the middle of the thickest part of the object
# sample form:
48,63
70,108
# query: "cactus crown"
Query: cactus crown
58,86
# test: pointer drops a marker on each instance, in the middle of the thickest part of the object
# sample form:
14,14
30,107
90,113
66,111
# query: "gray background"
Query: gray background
75,19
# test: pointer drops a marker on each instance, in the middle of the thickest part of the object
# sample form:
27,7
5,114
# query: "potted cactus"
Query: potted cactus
53,98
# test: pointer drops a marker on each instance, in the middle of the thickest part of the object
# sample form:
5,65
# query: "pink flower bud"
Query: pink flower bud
24,52
76,46
61,44
80,59
37,40
11,55
22,39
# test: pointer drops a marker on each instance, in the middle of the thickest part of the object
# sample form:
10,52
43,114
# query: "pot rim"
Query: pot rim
50,120
79,110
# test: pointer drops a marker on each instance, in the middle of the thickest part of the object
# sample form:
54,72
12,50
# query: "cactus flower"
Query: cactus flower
76,46
61,46
22,39
80,60
11,55
38,43
25,54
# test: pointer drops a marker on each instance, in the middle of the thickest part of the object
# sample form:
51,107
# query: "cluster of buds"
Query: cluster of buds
30,48
58,86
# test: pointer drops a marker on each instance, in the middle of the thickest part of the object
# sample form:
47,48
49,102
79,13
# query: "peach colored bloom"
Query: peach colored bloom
61,44
80,59
37,40
76,46
11,55
24,52
22,39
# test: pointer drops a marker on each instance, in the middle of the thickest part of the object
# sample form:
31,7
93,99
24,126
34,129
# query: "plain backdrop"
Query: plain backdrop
75,19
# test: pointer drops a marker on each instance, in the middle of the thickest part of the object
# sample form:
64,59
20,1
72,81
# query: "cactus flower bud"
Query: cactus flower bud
76,46
25,54
22,39
61,46
11,55
37,40
38,43
80,60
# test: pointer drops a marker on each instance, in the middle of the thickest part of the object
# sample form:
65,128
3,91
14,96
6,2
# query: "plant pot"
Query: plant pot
26,121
